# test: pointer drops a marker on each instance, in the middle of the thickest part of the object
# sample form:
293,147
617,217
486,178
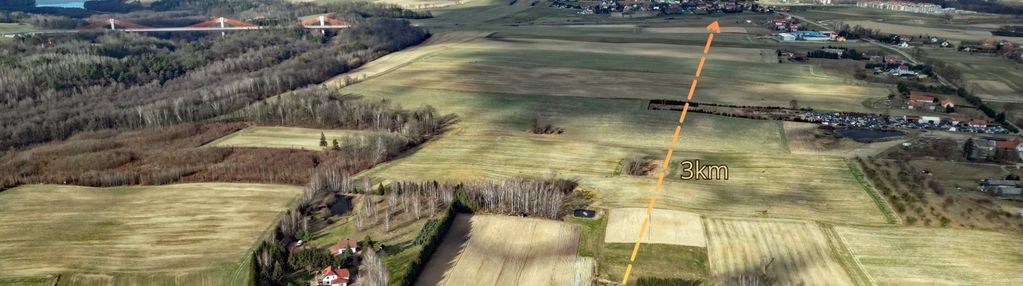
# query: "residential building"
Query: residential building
912,7
1003,189
350,244
332,276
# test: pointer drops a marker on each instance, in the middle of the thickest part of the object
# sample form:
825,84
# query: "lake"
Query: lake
60,3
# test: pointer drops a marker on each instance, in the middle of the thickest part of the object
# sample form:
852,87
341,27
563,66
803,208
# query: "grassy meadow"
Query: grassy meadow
281,137
993,79
194,234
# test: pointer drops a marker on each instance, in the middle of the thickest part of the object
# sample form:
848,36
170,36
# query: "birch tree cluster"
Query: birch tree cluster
518,196
415,200
320,107
372,270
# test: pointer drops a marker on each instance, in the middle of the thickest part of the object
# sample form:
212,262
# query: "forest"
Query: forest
69,83
131,81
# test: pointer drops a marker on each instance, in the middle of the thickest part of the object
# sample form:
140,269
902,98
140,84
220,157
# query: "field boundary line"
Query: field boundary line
714,28
845,257
886,208
845,245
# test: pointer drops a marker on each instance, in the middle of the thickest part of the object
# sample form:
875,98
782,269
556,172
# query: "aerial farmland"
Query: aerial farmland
486,142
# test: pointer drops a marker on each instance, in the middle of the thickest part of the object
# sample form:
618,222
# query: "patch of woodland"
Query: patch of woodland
175,154
68,84
155,156
540,128
924,201
320,107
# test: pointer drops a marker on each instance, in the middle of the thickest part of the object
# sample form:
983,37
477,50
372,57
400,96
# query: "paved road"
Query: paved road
178,29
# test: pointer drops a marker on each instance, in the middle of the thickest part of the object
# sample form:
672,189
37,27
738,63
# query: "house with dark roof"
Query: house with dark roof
1003,189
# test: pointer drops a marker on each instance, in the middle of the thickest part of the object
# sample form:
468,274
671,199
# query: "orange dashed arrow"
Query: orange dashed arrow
714,28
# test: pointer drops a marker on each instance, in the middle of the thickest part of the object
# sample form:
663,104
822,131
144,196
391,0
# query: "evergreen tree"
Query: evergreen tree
323,140
968,148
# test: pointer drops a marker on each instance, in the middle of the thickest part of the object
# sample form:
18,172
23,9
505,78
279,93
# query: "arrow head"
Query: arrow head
714,27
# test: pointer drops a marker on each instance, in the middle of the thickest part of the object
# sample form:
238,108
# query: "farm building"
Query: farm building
1003,189
350,244
804,36
332,276
920,102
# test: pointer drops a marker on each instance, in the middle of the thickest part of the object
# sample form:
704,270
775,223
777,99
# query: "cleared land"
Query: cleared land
502,250
934,256
666,227
280,137
194,234
800,251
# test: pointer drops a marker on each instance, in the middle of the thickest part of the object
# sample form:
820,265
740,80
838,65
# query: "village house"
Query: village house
332,276
350,244
1007,145
1002,189
978,123
920,102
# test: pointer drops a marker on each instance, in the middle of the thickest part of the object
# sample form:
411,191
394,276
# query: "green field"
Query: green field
191,234
281,137
15,28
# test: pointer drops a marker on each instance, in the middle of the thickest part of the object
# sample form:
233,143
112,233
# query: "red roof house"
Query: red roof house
978,122
1007,144
332,276
921,98
350,244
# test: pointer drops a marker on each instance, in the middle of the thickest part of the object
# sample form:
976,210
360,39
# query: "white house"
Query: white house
332,276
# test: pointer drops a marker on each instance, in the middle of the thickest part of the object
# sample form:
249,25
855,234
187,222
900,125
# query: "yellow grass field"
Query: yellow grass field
189,234
800,250
666,227
766,180
280,137
935,256
465,62
496,250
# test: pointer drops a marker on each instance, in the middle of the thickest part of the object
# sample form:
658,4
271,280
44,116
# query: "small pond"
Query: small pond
342,205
